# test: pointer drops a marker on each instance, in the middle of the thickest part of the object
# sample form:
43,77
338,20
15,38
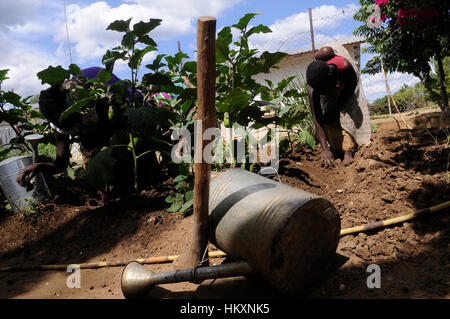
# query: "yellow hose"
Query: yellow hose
395,220
150,260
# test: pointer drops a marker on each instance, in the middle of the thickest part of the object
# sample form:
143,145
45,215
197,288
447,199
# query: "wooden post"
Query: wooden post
390,96
206,115
311,29
179,50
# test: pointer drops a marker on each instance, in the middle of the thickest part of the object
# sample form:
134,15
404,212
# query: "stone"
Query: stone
388,198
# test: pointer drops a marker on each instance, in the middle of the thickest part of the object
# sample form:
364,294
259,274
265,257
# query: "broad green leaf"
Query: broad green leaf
120,25
190,66
186,206
173,62
53,75
180,56
104,76
111,57
129,40
284,83
258,29
142,28
285,110
143,120
295,93
169,199
307,138
174,208
12,98
147,40
233,101
138,55
251,113
243,22
157,78
264,63
156,64
77,106
224,39
74,69
189,195
14,112
188,94
35,114
70,173
100,171
181,186
179,178
3,74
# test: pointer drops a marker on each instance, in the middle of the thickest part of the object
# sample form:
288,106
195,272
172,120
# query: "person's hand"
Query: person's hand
24,177
327,159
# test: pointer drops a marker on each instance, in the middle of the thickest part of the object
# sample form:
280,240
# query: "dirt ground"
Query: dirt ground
397,173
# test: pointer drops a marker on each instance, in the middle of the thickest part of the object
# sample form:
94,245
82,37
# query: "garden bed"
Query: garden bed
396,174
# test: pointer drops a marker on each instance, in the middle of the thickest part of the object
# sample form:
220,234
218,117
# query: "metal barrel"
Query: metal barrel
18,197
287,235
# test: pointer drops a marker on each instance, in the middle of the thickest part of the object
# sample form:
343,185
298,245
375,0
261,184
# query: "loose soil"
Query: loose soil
398,173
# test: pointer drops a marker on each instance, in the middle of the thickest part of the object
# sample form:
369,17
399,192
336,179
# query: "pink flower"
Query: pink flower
409,16
382,2
428,14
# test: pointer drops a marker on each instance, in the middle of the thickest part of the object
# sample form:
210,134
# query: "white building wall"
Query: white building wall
296,65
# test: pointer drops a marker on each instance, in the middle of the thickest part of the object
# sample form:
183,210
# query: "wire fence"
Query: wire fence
405,89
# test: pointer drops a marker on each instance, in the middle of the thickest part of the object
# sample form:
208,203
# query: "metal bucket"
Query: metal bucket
287,235
18,197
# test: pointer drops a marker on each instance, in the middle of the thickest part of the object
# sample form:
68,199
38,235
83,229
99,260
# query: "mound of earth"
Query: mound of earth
398,173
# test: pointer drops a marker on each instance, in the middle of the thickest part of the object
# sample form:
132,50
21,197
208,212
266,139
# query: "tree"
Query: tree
406,35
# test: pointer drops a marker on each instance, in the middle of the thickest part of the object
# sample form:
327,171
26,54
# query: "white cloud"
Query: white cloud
25,26
294,31
375,86
29,27
24,62
17,12
35,32
87,25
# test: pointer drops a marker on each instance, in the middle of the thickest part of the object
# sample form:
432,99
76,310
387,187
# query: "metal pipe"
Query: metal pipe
137,281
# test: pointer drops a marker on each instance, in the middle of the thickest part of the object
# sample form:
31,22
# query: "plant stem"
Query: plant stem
133,151
444,96
17,133
230,147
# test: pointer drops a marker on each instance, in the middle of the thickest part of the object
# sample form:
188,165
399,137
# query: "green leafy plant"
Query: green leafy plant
289,103
138,127
183,199
237,102
236,63
408,35
23,120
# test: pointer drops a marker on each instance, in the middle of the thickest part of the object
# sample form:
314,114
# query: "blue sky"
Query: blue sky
35,33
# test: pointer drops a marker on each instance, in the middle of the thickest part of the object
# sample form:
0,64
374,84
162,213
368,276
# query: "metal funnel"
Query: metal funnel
137,280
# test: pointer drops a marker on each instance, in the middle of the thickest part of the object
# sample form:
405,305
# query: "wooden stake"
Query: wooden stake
311,30
206,114
390,96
